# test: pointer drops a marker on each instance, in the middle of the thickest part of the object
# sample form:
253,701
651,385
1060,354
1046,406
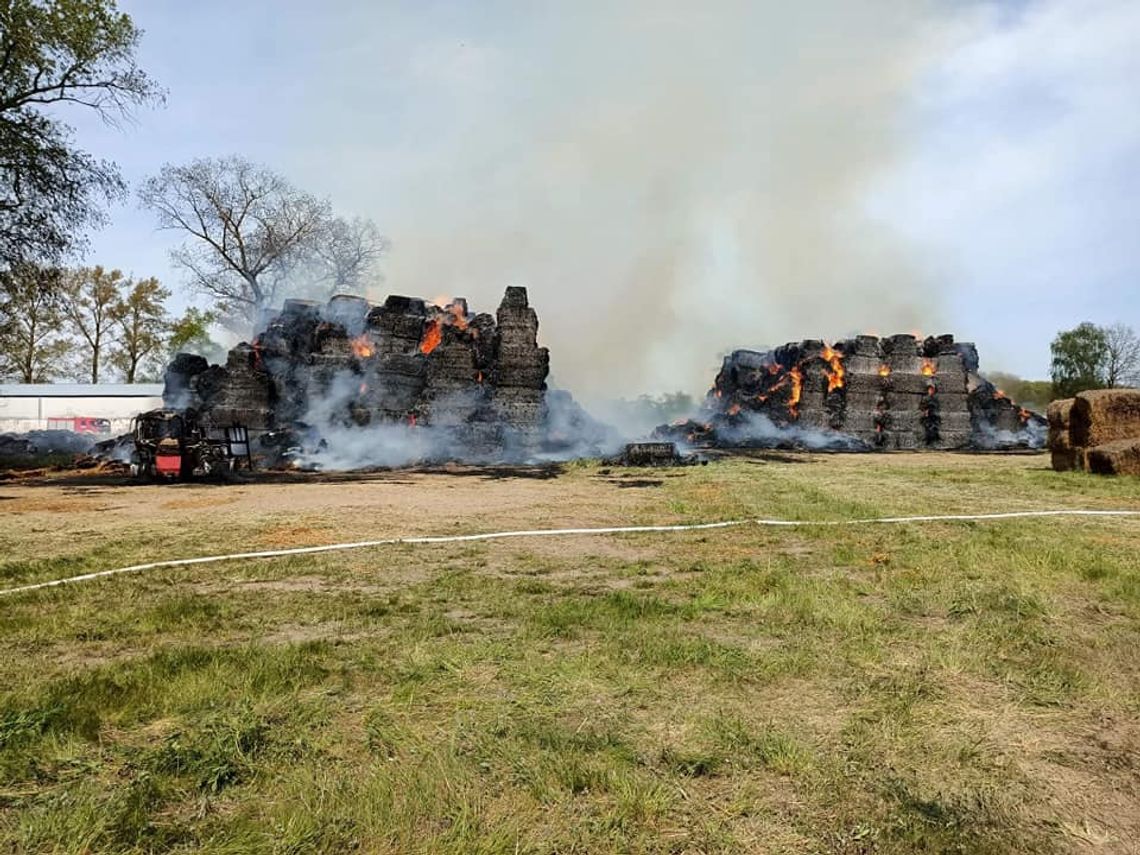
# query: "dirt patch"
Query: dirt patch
286,536
201,502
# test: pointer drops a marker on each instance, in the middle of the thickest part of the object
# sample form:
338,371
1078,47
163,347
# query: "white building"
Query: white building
82,407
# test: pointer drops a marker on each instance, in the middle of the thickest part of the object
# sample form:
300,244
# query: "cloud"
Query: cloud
1023,180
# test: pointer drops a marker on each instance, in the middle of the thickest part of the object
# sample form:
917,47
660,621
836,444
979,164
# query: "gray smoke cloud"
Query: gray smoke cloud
670,179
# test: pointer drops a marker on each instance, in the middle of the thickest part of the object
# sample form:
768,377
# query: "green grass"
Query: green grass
932,688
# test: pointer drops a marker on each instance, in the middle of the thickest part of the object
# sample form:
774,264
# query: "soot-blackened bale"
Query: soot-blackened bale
863,387
395,377
951,393
244,397
905,394
454,393
349,312
178,385
521,368
812,407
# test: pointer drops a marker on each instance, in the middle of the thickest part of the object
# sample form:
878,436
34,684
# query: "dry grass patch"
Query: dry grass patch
922,688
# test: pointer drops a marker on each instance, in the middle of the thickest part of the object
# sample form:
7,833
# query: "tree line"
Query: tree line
251,236
90,324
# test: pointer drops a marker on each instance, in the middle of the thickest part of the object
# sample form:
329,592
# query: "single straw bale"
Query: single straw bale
1104,415
1058,414
1121,457
1063,459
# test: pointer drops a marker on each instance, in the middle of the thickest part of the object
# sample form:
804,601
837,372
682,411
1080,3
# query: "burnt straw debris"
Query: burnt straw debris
654,454
861,394
347,385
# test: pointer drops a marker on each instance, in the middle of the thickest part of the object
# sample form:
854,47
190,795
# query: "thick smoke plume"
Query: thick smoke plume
671,180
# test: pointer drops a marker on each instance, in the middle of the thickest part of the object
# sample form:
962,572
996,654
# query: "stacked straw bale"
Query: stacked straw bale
1064,456
1097,431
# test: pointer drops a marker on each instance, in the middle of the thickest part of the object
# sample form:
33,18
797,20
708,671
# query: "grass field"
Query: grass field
934,687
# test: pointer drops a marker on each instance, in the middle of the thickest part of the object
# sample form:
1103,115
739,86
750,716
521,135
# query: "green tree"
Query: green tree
92,304
143,325
56,54
32,347
1079,358
191,334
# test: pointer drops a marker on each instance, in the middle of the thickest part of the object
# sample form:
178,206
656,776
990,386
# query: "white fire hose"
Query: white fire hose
552,532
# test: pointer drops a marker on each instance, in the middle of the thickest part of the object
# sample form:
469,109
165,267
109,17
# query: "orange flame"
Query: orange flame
838,372
411,419
1024,415
797,391
479,377
927,368
433,335
362,347
734,409
999,395
884,370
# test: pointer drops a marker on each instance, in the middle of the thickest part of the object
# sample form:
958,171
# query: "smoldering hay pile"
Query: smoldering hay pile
862,394
347,385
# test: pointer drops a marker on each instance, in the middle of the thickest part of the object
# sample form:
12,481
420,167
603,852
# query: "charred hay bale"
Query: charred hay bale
900,348
649,454
933,346
177,389
1103,416
969,353
865,384
398,324
348,311
1119,457
243,393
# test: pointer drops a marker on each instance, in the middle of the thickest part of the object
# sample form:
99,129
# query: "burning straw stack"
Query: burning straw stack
866,393
1097,431
475,379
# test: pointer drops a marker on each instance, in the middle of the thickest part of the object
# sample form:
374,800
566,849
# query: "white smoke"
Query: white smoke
335,440
670,179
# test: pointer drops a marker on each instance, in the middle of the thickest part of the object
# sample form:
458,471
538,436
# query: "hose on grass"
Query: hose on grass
553,532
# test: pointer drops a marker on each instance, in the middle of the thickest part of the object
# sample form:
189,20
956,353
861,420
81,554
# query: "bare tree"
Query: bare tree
92,304
346,254
243,220
1122,364
32,348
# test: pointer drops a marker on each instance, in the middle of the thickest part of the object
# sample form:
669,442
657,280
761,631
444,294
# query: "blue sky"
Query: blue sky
672,181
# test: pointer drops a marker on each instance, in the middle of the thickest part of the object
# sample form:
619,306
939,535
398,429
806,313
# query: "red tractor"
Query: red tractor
179,444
